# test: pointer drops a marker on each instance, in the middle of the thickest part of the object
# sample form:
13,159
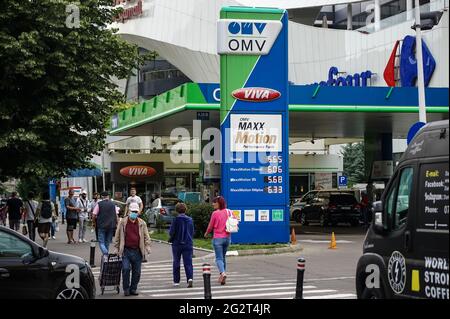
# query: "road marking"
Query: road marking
223,287
334,296
226,291
271,294
196,278
201,282
331,278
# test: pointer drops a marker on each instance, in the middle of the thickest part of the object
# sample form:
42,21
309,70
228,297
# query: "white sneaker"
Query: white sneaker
84,240
176,284
80,240
53,237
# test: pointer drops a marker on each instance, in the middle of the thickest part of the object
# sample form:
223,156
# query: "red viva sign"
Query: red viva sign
137,171
256,94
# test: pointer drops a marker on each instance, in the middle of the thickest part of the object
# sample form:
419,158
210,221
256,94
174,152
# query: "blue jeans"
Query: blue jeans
186,251
220,248
104,239
131,261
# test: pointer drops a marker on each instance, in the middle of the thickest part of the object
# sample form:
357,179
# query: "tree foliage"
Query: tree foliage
354,162
56,92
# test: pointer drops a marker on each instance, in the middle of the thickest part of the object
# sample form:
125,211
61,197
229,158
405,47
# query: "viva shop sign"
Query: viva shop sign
246,37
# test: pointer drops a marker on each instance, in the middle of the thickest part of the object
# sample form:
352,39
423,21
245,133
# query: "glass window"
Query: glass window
397,203
13,247
404,191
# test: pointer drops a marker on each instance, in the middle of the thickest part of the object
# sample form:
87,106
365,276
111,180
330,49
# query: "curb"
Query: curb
270,251
247,252
195,248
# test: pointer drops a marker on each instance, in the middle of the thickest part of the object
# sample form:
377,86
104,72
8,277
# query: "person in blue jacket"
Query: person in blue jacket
181,233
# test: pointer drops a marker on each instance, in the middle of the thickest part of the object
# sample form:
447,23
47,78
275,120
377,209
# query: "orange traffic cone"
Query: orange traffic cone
293,238
333,242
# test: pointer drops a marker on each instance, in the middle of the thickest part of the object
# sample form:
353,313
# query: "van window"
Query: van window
404,191
397,204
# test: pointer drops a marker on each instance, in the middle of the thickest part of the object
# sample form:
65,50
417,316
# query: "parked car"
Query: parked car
327,207
190,197
164,212
121,206
28,270
408,242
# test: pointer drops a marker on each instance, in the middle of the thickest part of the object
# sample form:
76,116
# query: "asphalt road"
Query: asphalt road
329,272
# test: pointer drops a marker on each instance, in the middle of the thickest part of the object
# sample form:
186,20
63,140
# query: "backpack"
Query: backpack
232,225
46,210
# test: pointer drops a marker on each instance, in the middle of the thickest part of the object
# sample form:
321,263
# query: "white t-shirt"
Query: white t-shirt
29,210
83,204
133,199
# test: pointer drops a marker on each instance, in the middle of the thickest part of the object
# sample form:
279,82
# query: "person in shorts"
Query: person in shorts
71,216
44,213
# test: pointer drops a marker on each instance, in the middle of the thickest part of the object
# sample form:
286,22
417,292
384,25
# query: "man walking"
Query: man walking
83,205
71,216
106,217
14,210
92,204
132,243
133,199
29,215
181,233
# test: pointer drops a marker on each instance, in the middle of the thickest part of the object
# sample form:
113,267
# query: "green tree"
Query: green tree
354,162
36,184
56,88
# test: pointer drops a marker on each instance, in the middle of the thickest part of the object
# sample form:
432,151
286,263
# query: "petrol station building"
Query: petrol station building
348,81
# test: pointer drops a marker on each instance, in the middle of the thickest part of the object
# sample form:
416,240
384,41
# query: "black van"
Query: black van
405,251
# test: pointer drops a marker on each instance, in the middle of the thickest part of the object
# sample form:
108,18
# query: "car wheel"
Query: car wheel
72,293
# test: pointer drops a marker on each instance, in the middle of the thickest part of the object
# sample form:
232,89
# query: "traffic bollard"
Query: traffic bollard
207,280
92,256
300,275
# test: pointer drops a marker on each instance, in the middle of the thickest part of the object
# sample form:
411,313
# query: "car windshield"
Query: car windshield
169,201
342,199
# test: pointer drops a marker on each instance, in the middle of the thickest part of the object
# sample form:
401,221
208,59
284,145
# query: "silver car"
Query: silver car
164,211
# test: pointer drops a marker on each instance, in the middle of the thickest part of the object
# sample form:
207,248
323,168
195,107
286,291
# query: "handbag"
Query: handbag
232,225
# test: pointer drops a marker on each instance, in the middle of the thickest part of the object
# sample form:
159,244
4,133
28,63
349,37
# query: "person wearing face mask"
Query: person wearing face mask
132,243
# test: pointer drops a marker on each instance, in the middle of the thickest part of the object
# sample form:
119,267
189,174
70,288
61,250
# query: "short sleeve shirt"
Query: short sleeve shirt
71,214
14,206
133,199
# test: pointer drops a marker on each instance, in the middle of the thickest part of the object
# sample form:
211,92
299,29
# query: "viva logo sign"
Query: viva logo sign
137,171
256,94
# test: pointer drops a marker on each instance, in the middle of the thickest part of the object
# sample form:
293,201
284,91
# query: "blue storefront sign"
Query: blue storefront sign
254,122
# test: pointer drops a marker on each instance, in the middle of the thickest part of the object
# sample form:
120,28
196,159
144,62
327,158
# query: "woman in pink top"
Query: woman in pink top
221,239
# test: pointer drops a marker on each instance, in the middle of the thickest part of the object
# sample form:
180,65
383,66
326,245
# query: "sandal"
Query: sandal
224,278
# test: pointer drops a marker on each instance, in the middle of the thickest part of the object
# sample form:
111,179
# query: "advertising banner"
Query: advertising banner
126,172
254,94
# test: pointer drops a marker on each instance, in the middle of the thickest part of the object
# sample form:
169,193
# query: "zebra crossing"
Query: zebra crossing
156,282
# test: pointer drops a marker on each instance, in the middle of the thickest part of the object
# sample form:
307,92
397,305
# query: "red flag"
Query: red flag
389,71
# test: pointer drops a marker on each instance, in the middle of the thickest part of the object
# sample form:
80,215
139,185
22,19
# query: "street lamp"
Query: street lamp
420,76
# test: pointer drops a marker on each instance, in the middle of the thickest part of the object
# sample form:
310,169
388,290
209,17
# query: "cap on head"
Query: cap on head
134,207
83,192
105,194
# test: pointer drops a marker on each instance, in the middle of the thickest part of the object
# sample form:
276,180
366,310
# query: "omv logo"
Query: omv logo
246,28
246,36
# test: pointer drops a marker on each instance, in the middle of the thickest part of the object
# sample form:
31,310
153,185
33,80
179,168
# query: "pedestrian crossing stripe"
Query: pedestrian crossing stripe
181,290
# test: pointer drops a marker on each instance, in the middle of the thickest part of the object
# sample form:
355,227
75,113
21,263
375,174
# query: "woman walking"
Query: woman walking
221,238
44,213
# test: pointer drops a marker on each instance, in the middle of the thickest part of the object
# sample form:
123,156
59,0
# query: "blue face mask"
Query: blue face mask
133,216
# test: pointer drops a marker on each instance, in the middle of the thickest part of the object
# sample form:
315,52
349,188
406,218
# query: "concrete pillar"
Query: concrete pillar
377,147
349,17
377,15
409,10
